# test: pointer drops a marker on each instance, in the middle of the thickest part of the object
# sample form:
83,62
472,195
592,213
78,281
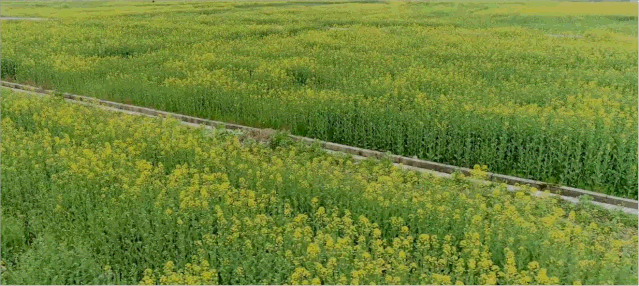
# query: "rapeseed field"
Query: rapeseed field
542,90
95,197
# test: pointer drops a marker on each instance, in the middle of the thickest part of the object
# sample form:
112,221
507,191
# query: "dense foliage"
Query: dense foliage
91,197
546,91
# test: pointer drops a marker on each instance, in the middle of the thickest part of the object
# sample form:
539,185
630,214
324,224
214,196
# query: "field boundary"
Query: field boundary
564,191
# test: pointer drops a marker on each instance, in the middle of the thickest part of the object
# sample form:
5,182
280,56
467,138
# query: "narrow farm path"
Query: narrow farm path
22,19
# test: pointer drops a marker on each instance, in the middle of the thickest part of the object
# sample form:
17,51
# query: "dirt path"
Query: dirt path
21,18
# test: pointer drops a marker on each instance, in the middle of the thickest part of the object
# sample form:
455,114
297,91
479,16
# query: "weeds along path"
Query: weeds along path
437,169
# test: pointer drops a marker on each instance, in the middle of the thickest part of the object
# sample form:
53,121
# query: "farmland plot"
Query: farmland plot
95,197
541,90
